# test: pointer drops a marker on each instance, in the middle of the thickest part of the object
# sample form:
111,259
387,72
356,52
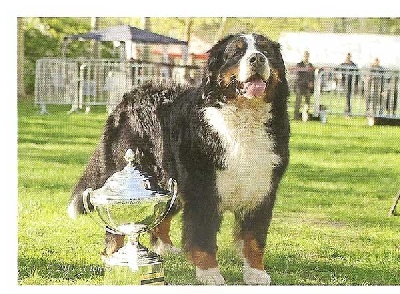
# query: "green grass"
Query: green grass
330,224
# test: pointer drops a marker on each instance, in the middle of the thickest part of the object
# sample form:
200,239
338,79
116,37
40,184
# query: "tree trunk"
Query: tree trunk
21,94
146,49
188,28
221,29
188,31
94,25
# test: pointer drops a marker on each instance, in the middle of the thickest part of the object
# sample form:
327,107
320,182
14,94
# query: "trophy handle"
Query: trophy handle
172,186
86,199
87,203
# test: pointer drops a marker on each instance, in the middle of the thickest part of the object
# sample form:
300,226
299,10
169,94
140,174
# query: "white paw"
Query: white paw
162,248
252,276
211,276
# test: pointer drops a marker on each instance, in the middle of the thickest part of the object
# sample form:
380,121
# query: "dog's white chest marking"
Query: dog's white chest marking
249,156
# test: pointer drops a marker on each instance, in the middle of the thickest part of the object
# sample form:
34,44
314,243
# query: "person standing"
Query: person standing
349,71
304,83
375,89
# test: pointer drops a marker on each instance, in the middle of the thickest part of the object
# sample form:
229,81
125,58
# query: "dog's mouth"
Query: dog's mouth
253,87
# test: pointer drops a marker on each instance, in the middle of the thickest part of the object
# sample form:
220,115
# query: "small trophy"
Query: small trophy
128,205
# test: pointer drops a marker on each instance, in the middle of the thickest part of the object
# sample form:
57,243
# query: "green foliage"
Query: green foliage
330,224
44,38
206,28
44,35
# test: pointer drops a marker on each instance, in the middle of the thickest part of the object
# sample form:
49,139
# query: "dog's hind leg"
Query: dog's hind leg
160,238
113,242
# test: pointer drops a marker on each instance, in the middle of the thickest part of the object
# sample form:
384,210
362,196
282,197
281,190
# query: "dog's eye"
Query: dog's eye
262,45
234,49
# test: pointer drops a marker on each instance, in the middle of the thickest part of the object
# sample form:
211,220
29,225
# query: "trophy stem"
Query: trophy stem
134,264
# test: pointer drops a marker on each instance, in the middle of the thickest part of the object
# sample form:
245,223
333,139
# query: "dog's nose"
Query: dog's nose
256,59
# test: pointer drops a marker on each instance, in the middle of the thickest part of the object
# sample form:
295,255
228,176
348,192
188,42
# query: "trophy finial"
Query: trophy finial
129,156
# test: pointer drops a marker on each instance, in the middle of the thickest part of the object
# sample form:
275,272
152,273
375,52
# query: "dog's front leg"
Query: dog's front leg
207,270
253,265
201,221
250,235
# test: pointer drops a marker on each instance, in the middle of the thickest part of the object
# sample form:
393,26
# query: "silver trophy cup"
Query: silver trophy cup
127,204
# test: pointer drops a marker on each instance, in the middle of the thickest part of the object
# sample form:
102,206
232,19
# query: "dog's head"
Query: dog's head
243,66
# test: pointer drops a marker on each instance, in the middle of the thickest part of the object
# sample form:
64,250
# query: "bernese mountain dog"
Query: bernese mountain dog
226,143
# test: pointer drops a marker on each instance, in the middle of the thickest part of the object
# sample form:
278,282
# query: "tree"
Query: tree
43,36
95,24
20,59
221,29
146,26
188,28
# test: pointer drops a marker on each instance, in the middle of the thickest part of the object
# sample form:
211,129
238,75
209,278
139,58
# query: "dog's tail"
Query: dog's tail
75,207
91,178
76,204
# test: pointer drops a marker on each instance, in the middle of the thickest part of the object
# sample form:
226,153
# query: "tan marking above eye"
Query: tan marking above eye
239,44
262,42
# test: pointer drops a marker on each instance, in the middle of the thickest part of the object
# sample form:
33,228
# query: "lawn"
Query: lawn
330,225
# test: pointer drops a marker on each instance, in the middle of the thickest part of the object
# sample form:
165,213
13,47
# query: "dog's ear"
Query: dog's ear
273,54
278,60
211,71
216,53
279,73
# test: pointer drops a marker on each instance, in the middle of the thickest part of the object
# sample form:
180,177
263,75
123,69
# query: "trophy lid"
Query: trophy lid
127,185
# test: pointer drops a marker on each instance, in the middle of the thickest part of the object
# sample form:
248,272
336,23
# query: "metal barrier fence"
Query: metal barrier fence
87,82
371,92
367,92
56,81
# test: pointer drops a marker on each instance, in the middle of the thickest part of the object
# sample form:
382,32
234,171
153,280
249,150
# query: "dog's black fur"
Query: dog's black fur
166,125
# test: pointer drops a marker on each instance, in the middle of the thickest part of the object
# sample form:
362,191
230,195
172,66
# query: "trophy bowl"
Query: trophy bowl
130,204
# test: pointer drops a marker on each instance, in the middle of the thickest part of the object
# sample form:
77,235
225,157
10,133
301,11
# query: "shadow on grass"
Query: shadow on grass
293,270
46,269
284,270
178,271
55,157
305,173
299,271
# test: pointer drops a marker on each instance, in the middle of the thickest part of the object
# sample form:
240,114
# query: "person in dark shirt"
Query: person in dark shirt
375,88
304,83
349,70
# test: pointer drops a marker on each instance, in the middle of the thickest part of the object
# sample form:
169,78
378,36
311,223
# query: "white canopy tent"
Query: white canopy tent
331,48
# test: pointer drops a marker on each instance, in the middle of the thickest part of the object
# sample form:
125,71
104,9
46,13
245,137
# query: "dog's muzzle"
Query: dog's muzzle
257,60
254,72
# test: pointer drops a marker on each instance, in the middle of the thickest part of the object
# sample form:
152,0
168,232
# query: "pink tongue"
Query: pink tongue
254,88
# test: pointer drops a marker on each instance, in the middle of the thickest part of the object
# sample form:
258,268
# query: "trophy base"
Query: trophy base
123,275
149,269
